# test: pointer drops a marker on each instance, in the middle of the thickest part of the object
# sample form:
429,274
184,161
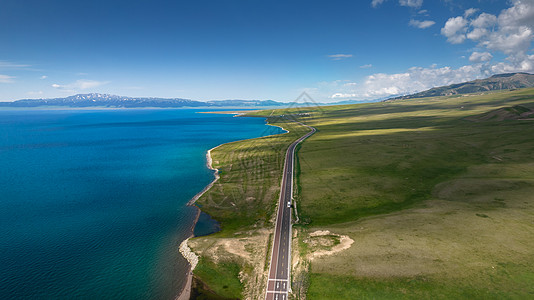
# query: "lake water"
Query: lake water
93,202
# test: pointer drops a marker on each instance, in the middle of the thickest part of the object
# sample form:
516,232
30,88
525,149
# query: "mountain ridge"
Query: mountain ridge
115,101
108,100
505,81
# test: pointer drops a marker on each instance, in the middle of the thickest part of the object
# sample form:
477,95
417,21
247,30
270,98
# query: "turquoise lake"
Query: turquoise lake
93,202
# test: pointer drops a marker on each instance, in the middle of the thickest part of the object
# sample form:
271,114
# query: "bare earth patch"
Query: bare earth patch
325,243
439,239
248,250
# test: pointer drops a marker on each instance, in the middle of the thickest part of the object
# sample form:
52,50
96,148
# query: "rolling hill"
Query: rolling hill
496,82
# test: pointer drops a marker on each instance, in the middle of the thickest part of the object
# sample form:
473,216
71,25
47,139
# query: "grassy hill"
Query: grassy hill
495,82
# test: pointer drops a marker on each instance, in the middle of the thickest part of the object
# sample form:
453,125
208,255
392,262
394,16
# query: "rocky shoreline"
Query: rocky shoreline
184,249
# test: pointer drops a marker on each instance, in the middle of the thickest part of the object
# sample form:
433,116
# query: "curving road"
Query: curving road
279,280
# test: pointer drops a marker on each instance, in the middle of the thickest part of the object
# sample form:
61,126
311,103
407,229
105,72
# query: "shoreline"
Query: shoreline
184,249
209,164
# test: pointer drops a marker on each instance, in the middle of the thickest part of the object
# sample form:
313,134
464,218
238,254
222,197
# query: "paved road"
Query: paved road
278,284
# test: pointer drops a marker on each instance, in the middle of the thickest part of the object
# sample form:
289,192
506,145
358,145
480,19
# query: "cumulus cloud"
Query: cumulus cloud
415,79
43,77
419,79
480,56
6,79
339,56
367,66
511,32
521,64
484,20
455,29
421,24
79,85
469,12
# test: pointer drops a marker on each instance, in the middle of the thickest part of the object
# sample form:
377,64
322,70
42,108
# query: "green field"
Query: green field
243,200
250,176
437,194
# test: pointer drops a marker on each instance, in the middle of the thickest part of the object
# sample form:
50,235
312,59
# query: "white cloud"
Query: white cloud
484,20
421,24
43,77
480,56
411,3
469,12
10,65
375,3
511,32
455,29
80,85
520,14
342,96
367,66
339,56
511,42
419,79
6,79
423,12
415,79
523,64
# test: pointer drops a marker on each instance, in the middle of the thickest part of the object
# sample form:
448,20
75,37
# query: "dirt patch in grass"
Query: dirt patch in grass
247,251
324,243
446,243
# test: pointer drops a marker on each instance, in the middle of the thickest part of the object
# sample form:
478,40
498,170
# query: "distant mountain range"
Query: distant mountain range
496,82
106,100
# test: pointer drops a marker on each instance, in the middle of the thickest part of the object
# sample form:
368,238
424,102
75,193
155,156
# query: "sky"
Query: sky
252,49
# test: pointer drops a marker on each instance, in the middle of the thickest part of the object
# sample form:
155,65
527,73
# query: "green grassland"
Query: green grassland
250,174
437,194
243,200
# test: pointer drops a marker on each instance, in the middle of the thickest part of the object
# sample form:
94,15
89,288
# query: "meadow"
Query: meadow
234,261
436,194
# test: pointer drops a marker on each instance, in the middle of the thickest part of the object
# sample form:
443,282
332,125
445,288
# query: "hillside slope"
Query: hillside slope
495,82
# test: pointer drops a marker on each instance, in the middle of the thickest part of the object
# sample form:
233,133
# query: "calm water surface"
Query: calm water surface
93,202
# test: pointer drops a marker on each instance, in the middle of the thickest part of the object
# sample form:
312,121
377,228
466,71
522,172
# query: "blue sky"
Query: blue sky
250,49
